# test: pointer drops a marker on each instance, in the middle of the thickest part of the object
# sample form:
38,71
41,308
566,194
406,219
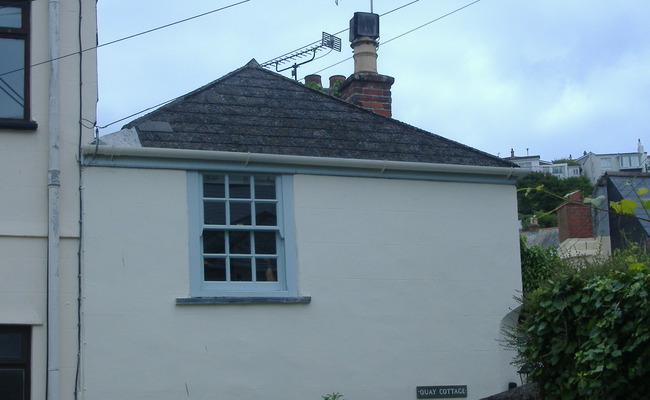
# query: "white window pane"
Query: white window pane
10,17
12,96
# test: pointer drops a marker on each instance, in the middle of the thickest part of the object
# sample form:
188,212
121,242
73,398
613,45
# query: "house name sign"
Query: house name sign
441,392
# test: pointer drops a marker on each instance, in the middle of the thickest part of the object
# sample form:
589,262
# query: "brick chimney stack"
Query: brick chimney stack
365,87
574,218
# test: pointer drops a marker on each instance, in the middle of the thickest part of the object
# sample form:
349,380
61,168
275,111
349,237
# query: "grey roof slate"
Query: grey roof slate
255,110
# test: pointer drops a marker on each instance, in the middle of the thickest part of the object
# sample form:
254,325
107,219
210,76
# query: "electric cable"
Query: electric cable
339,32
129,37
404,34
323,69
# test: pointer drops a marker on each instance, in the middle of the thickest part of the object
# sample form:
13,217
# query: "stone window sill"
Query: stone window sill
242,300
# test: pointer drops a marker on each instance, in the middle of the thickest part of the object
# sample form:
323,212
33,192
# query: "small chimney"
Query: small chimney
533,226
313,78
335,79
574,218
367,88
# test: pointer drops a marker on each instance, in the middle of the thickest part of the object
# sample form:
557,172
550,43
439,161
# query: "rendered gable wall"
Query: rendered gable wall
406,290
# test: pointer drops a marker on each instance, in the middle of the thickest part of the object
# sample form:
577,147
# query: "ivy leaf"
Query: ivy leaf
596,201
645,203
636,266
642,191
625,206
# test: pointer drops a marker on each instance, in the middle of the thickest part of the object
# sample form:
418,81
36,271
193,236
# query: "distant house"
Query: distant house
595,165
536,164
257,238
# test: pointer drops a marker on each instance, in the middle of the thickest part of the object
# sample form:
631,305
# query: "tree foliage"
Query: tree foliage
585,332
532,201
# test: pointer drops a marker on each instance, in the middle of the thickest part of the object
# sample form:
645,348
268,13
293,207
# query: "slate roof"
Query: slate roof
618,185
255,110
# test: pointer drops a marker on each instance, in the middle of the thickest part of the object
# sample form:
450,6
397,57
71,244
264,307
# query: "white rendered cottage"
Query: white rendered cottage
258,238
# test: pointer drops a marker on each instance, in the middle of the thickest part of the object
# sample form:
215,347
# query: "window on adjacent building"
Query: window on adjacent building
242,236
606,164
15,355
14,60
558,170
630,162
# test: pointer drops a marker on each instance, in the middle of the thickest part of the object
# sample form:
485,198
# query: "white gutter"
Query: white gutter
383,166
53,185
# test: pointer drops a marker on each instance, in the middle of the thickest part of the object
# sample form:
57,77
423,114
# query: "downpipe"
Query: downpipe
53,186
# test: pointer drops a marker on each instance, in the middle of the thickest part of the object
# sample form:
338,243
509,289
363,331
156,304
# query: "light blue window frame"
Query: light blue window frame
286,283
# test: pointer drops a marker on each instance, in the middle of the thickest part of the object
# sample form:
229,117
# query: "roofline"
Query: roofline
90,153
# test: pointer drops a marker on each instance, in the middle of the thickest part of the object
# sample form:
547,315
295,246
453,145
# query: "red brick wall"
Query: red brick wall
574,218
370,91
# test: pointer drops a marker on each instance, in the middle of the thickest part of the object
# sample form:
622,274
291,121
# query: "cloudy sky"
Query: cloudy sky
544,77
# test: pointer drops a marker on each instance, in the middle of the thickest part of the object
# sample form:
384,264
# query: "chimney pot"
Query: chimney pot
336,78
313,78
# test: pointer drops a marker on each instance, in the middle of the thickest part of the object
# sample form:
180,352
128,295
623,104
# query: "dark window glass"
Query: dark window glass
266,270
264,187
214,242
240,242
240,269
214,186
234,248
214,269
10,344
15,358
12,384
265,243
265,214
240,213
240,187
214,212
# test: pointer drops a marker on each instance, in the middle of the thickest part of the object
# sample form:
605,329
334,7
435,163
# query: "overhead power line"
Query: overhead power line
334,34
330,66
129,37
406,33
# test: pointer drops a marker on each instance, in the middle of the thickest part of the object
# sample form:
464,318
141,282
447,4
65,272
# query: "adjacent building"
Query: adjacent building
536,164
43,106
595,165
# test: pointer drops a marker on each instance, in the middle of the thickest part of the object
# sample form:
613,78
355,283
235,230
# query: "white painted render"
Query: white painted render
24,193
409,280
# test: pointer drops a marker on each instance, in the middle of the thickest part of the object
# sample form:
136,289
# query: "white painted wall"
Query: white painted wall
23,192
409,280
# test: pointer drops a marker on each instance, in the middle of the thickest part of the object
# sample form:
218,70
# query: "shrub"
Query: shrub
585,332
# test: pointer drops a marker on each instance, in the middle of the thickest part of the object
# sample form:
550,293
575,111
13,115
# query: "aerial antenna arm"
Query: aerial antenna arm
329,41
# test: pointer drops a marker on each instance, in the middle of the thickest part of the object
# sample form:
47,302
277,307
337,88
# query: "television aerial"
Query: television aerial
327,41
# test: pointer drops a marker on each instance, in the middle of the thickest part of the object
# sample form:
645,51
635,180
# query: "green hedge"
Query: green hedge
585,332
